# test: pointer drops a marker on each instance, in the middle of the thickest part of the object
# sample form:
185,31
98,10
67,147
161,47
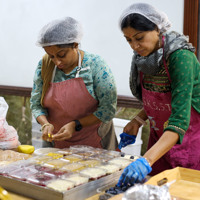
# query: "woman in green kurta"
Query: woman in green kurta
165,76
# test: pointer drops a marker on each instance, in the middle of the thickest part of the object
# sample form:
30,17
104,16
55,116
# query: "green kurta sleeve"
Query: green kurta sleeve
185,87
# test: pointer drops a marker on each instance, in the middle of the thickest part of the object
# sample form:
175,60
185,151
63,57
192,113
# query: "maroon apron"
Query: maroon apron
158,109
69,100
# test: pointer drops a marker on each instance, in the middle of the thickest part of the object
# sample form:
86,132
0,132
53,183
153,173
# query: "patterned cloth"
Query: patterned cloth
152,63
184,70
99,82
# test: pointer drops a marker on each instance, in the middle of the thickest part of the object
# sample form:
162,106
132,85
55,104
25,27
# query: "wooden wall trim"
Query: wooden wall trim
190,27
122,101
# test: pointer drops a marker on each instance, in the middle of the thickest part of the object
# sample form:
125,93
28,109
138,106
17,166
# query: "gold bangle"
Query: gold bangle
140,120
44,125
147,161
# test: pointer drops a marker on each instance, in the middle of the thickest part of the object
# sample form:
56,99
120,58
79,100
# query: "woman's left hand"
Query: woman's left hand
65,132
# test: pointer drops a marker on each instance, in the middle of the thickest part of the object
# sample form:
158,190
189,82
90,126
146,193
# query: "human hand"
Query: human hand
135,172
132,127
65,132
47,132
126,139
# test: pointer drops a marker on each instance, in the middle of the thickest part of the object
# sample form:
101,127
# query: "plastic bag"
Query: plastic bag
144,192
8,134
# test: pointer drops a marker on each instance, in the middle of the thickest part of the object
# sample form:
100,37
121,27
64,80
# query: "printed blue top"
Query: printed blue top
99,82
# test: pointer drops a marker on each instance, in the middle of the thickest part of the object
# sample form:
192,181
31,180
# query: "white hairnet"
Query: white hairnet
62,31
157,17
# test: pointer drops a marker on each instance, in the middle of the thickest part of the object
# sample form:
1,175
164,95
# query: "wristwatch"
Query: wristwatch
78,125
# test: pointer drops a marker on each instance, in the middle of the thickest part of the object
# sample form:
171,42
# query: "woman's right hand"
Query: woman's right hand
132,127
47,133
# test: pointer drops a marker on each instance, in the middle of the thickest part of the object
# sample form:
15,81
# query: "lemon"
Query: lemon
28,149
4,194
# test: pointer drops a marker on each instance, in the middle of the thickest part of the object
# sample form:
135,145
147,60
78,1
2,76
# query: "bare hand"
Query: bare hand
47,133
65,132
132,127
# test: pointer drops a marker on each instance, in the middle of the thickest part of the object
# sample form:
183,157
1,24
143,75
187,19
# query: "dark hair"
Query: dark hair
70,45
138,22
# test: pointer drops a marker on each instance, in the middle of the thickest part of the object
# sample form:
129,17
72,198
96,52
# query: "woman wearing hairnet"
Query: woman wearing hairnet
165,76
74,94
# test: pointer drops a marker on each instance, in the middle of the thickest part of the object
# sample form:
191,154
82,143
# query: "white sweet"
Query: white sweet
110,168
61,185
77,179
93,172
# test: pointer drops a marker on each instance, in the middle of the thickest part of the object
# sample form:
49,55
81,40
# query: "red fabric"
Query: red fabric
158,109
69,100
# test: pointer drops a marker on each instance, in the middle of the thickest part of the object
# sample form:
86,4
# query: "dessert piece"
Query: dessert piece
110,168
66,151
77,179
60,185
22,173
40,159
113,153
50,170
46,150
12,156
54,155
73,158
102,157
84,154
120,161
90,162
93,173
40,178
57,163
73,167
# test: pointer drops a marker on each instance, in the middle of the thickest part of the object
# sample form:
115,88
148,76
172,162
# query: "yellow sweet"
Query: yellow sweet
28,149
4,194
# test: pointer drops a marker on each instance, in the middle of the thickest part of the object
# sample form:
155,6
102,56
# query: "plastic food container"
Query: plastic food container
84,154
54,155
61,185
77,178
57,163
110,168
40,178
50,170
66,151
73,167
93,173
46,150
22,173
120,161
40,159
73,158
82,148
90,162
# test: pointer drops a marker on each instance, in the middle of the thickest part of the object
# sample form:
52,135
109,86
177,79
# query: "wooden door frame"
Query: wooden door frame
191,22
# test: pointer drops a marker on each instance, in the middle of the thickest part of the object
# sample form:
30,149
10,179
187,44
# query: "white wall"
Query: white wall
21,20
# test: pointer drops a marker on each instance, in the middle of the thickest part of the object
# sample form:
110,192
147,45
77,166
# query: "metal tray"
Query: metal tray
42,193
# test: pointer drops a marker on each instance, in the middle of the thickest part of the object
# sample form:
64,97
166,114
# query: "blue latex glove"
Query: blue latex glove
135,172
126,139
